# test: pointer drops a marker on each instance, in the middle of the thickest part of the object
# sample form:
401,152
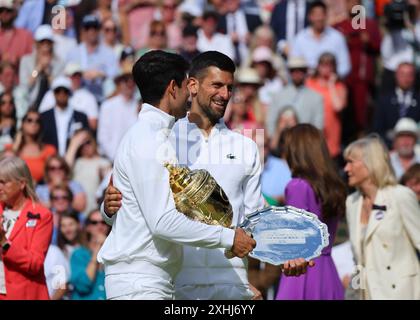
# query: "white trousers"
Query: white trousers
136,286
213,292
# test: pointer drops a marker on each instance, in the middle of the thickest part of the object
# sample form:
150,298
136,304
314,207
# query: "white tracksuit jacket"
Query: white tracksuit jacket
147,233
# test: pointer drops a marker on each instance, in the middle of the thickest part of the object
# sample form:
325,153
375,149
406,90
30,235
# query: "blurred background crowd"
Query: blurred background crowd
67,97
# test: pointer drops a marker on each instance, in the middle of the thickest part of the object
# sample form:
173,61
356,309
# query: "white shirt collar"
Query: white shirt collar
155,114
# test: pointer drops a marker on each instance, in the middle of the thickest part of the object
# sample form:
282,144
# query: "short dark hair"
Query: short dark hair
211,59
154,71
317,4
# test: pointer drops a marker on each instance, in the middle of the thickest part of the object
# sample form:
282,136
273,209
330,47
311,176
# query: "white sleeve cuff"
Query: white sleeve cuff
108,220
226,238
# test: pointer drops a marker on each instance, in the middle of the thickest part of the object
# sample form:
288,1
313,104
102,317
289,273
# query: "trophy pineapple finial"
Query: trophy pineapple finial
178,177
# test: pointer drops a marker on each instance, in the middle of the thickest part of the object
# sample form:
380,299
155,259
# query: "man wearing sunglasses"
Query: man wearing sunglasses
61,122
307,104
98,62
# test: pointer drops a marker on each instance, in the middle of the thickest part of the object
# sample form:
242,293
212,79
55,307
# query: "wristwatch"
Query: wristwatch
5,246
35,73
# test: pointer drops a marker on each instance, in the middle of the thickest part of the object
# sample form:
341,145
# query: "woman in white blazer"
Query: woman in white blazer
384,224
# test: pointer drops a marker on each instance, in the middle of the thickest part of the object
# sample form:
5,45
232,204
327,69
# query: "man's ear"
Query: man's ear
192,85
171,89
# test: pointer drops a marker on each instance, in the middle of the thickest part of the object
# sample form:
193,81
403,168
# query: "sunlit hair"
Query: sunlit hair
412,173
375,156
13,168
307,155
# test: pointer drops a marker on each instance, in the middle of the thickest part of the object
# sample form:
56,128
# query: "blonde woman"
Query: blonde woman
384,224
25,234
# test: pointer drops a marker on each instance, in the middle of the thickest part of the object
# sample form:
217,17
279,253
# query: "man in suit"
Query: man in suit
61,122
401,102
239,24
287,20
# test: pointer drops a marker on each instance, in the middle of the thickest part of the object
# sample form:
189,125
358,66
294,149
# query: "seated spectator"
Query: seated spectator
57,172
9,84
318,38
403,101
306,103
325,81
62,122
189,43
411,179
169,12
263,63
69,235
81,99
25,234
404,153
110,34
237,116
287,118
97,60
248,82
15,42
57,273
89,168
28,145
116,115
38,69
87,275
61,199
158,39
209,39
7,120
264,36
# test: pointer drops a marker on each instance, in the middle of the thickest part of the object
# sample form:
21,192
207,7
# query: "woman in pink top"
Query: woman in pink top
334,93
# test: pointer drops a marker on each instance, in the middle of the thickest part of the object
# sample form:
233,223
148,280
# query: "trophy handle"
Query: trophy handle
229,254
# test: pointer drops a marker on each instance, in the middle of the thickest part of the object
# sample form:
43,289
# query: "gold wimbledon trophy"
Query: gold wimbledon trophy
199,196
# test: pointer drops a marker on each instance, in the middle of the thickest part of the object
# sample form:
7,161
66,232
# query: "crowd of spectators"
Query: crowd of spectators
67,97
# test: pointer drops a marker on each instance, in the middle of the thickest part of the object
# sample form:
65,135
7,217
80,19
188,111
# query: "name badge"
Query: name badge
31,223
379,215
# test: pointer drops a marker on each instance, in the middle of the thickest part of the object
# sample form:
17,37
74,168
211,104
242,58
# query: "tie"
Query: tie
236,44
296,17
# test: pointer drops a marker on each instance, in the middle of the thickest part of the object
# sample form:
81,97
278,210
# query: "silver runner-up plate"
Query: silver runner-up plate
285,233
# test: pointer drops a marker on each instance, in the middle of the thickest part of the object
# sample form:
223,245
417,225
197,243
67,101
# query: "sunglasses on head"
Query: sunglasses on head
95,222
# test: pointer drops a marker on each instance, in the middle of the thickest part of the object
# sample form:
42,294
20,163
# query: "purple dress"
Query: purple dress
320,282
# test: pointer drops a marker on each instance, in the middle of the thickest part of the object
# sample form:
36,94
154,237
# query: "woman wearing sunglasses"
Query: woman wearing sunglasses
28,145
7,119
87,275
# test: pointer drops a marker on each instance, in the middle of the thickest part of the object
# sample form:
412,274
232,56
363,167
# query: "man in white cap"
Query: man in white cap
14,42
307,103
61,122
37,70
97,61
81,99
404,153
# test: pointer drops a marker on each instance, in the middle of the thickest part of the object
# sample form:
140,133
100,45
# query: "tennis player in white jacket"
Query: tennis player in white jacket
202,141
143,252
